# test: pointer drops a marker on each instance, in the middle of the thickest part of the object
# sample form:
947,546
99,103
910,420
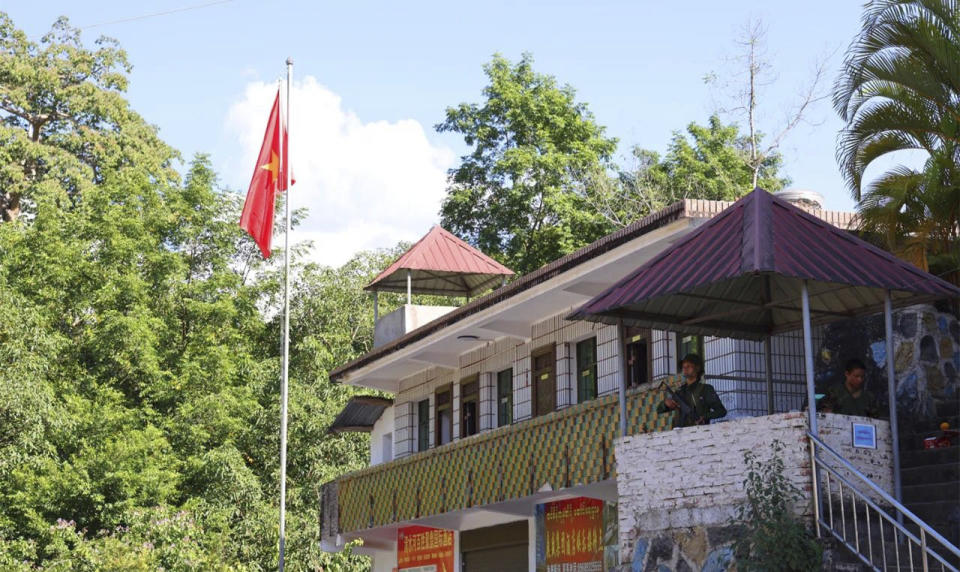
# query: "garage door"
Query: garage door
502,548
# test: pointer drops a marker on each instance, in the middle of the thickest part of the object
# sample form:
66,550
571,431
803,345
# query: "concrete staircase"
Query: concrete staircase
887,550
931,478
931,490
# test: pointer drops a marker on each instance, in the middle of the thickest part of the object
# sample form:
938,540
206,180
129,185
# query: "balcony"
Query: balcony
566,448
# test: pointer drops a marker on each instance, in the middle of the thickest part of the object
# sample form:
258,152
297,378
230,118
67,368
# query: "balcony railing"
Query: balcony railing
566,448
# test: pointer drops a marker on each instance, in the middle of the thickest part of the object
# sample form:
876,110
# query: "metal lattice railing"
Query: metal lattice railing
876,527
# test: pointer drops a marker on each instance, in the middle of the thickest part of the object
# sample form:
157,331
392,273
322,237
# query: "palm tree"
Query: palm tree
899,90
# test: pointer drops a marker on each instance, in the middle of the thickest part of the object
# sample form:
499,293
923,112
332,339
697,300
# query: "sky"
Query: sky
372,79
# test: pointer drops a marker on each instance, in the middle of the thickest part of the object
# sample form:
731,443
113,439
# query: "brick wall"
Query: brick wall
876,464
694,476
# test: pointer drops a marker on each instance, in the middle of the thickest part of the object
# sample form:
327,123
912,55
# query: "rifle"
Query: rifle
686,412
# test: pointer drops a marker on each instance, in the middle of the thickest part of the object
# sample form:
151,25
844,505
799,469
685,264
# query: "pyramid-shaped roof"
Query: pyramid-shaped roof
440,263
740,274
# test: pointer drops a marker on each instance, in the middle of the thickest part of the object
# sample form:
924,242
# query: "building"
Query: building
503,444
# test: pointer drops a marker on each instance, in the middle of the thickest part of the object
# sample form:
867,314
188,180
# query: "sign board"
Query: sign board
864,435
572,535
424,549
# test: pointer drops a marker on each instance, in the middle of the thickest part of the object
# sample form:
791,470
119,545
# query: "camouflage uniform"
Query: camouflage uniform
702,398
839,400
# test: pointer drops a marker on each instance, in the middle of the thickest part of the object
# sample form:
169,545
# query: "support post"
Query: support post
622,390
409,286
808,359
768,373
892,392
376,306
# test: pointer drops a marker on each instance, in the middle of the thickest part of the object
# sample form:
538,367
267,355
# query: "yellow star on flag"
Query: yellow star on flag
273,166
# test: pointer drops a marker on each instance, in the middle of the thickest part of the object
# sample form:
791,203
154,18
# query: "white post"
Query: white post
376,307
284,154
892,392
409,285
622,390
768,373
808,359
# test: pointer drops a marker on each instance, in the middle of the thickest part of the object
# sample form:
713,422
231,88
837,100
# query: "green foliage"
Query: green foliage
707,162
519,194
899,90
773,539
65,125
139,353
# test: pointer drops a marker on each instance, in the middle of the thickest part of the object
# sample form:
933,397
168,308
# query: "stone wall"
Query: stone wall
926,349
679,489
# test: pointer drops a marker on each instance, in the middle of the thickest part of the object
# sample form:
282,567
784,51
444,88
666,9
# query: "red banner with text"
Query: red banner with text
574,535
424,549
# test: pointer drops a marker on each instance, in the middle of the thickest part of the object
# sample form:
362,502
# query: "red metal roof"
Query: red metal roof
740,273
441,263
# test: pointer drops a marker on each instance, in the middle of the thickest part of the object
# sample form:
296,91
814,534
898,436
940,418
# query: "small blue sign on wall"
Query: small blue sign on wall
864,435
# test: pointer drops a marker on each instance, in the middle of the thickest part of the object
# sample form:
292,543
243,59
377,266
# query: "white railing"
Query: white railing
887,537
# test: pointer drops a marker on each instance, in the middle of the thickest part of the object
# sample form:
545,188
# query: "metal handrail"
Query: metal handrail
926,532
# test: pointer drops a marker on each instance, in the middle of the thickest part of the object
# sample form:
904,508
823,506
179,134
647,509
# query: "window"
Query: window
637,351
544,381
423,425
504,397
444,429
469,410
386,453
689,345
586,370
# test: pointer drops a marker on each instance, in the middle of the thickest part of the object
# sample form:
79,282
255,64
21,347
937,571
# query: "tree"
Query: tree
899,90
751,72
519,194
64,123
706,162
139,363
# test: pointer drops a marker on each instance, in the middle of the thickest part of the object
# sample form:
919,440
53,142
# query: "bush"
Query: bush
773,539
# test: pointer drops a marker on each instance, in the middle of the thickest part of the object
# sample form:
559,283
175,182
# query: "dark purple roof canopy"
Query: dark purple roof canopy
740,275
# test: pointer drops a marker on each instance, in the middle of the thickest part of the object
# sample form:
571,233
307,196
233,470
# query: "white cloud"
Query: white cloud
366,184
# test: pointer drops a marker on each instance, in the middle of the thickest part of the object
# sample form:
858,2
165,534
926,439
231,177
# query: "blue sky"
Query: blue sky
374,77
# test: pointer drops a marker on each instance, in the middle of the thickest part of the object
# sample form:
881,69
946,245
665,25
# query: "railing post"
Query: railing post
817,509
923,549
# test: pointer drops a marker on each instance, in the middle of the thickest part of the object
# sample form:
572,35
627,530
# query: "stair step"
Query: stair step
949,408
926,457
939,492
913,441
944,517
931,474
875,548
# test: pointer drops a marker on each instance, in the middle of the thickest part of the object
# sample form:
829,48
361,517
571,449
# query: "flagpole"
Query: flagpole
285,171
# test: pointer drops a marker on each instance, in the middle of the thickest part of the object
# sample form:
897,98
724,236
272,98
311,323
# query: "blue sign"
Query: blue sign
864,435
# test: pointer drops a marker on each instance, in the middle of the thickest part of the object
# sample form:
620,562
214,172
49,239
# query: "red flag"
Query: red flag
257,216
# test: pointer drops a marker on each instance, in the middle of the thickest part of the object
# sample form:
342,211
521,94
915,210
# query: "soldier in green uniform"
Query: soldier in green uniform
703,401
850,397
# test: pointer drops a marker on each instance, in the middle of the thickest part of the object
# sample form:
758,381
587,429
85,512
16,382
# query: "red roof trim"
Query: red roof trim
441,251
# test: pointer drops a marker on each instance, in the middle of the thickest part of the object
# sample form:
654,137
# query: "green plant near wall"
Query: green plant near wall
773,537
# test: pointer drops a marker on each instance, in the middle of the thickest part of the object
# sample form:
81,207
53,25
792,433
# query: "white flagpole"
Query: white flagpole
285,170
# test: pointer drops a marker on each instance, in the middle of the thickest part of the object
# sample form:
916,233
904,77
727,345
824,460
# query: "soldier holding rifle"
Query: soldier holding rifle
697,402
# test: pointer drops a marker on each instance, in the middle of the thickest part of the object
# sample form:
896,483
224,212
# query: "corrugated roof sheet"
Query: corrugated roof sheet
740,275
360,414
441,263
